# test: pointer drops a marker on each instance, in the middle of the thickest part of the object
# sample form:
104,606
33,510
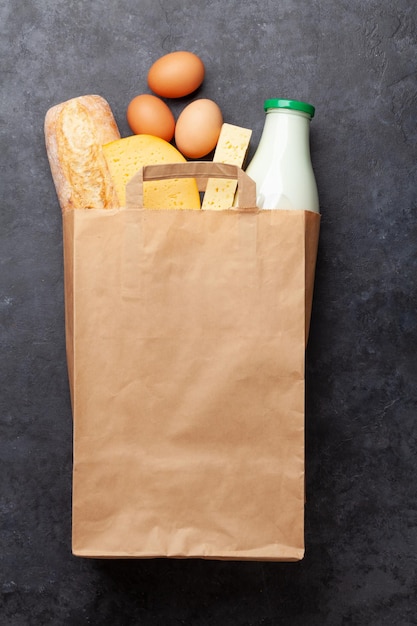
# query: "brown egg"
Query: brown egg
149,115
176,74
198,128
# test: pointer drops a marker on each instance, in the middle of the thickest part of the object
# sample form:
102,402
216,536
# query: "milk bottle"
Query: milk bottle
281,166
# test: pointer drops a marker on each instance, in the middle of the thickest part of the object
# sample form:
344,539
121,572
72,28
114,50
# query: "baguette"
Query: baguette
75,132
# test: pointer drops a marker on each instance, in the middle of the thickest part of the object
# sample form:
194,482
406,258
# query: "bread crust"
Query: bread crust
75,132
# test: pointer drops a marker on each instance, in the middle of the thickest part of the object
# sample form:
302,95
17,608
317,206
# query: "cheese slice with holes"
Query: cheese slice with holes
231,148
126,156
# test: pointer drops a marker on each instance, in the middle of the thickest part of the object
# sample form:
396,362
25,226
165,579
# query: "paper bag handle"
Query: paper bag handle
201,171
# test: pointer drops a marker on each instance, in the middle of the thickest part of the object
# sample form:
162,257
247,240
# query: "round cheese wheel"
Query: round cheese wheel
126,156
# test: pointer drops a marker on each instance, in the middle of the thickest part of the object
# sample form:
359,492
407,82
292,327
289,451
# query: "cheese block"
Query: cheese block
231,148
74,133
126,156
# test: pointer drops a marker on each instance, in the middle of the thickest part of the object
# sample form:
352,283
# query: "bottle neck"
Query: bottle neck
298,117
288,129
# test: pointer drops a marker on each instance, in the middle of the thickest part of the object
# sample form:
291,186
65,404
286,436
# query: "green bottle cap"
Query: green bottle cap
294,105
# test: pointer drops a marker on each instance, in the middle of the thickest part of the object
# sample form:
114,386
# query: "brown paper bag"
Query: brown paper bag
186,343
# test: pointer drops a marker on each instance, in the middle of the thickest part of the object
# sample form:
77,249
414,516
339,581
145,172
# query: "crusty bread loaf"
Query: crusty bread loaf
74,134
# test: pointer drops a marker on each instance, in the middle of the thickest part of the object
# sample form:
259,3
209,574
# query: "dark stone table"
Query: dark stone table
356,62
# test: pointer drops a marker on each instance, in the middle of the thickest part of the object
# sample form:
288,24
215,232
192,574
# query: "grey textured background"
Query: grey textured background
355,60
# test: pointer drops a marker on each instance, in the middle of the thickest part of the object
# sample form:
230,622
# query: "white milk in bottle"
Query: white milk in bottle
281,166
